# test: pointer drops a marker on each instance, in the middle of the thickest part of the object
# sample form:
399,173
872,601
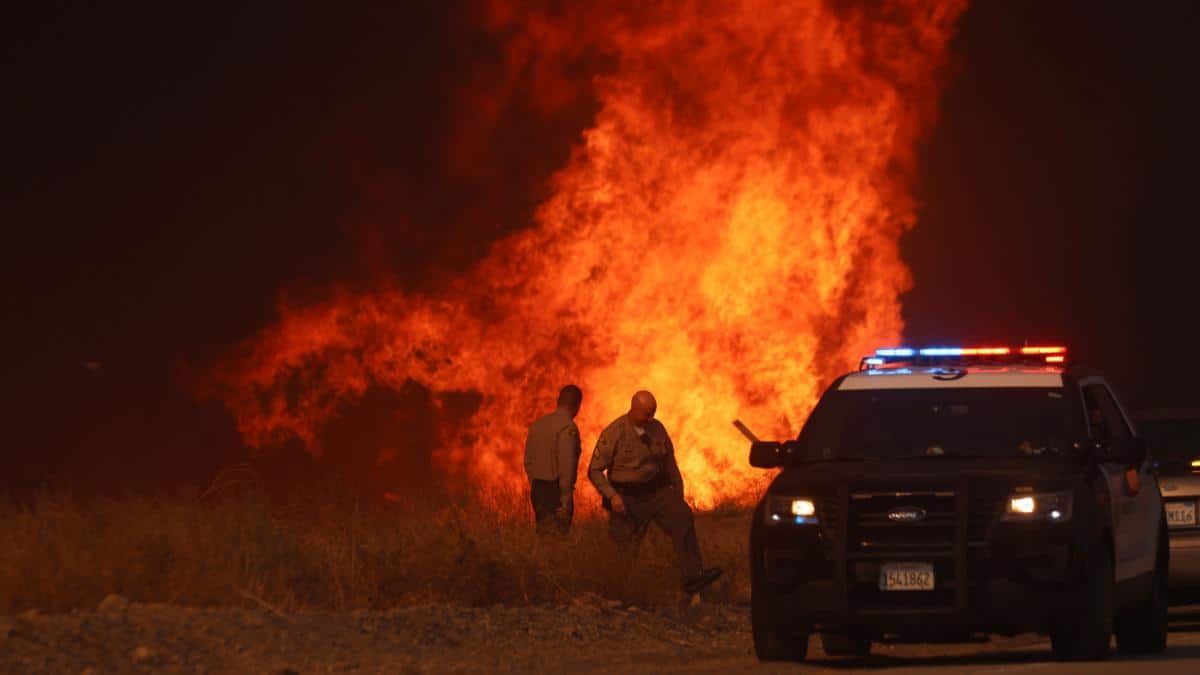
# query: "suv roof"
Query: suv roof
941,377
964,367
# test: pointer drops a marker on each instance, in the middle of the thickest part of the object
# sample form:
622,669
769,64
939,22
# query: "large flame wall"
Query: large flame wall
726,236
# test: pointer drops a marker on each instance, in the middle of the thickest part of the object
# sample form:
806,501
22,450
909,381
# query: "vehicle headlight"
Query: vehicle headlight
1052,506
793,510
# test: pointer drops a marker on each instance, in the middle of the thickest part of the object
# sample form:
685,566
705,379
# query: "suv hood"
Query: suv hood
932,471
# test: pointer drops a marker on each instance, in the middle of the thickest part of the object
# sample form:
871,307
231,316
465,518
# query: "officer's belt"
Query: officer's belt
640,488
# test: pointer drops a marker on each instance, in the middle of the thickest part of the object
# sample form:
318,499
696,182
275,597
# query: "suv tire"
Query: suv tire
1143,629
773,642
1085,635
845,645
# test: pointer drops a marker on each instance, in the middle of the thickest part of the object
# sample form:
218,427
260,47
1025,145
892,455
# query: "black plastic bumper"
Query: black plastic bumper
1185,566
1022,580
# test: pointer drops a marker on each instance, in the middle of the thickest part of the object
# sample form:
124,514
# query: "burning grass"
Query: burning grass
60,554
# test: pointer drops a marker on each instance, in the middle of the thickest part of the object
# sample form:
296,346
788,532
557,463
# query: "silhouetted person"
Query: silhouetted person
643,485
552,462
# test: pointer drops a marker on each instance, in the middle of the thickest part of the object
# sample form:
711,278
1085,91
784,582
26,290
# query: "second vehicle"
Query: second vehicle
1173,438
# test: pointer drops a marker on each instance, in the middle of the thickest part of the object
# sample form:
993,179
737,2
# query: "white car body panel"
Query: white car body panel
937,378
1131,513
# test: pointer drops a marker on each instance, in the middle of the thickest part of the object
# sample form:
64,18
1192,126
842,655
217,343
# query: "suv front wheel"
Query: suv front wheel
773,641
1143,629
1085,635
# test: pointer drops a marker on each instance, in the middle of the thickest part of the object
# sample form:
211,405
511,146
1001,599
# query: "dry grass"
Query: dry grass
58,554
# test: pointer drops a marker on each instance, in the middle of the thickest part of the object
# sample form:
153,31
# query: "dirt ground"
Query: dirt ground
590,635
121,637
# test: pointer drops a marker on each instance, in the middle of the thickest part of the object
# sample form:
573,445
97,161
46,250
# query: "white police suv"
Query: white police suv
947,493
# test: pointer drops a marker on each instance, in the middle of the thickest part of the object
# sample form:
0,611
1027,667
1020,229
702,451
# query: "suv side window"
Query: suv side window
1105,422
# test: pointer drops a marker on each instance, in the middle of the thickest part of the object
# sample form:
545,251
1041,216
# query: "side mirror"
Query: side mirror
772,454
1131,452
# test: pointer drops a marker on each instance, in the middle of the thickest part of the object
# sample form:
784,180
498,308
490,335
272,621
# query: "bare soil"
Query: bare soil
591,634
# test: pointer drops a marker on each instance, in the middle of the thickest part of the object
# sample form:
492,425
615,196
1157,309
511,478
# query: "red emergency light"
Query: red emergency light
1053,355
1044,350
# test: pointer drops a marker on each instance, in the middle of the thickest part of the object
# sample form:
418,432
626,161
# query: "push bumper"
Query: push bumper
1020,583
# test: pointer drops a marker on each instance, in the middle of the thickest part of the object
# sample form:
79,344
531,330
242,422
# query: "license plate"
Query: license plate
1181,514
906,577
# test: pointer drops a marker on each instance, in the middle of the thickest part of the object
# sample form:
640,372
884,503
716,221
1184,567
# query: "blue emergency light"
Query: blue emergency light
933,356
894,351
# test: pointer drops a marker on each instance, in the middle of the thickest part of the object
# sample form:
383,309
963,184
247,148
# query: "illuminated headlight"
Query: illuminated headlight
1051,506
794,510
1026,505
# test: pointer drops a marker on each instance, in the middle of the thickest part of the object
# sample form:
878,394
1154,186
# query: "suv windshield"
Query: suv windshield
1173,442
972,422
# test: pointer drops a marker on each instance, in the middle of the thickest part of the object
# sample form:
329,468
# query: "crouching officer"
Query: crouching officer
552,461
643,485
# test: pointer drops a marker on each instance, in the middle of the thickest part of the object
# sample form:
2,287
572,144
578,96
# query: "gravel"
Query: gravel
591,633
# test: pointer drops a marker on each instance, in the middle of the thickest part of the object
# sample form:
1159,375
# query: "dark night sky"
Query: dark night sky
172,173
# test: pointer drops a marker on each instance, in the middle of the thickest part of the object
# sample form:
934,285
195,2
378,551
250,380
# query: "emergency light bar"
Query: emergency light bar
965,351
1043,350
960,355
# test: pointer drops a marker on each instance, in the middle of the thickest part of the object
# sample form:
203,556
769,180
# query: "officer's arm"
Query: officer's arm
602,459
673,475
568,463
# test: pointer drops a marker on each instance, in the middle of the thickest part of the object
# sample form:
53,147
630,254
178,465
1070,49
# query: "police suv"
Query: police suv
943,494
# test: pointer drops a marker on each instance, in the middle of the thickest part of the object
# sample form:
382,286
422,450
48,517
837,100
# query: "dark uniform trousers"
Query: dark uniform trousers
547,499
658,503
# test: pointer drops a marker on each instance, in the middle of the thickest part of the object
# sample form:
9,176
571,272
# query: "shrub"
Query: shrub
60,553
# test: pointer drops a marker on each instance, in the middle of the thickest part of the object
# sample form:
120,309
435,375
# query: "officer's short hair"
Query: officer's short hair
570,396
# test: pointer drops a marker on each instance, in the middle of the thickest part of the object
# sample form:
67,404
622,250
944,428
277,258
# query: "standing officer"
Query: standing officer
643,485
552,461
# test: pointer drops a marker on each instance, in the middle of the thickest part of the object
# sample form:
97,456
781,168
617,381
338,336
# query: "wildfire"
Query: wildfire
726,236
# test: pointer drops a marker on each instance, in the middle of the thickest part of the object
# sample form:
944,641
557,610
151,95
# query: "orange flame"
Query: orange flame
726,236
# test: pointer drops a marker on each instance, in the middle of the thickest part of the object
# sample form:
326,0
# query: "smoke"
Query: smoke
724,233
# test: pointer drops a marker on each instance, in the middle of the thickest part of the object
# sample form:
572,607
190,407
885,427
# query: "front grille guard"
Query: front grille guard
835,516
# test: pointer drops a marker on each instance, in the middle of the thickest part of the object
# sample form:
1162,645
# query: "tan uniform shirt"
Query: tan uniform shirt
628,459
552,451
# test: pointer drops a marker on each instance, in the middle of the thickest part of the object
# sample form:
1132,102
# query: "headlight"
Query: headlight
803,507
1022,505
794,510
1051,506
